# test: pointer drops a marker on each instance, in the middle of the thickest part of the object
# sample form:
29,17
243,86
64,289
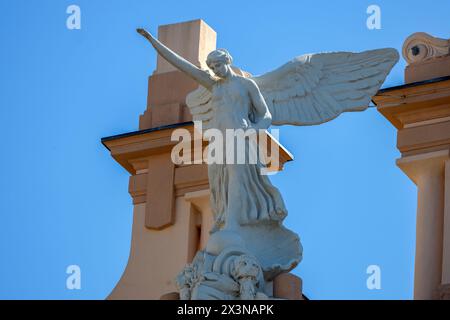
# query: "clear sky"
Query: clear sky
64,200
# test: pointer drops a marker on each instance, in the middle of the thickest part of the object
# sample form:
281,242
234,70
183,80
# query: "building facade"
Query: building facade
172,216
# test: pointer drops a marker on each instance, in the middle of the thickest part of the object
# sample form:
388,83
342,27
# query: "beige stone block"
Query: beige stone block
166,114
192,40
287,286
426,70
160,192
167,89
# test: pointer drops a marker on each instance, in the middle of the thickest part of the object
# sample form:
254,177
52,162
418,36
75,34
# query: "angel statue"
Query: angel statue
248,210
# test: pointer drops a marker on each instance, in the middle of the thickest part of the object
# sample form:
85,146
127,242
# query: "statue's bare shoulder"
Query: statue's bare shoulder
248,83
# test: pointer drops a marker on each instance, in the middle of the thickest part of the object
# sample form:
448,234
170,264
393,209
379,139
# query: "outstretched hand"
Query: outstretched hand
144,33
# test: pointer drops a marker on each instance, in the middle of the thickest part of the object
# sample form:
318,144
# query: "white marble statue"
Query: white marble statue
249,246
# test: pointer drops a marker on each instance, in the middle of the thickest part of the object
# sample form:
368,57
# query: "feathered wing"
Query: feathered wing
199,104
315,88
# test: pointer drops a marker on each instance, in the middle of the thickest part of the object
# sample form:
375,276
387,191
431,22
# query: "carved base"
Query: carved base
233,274
236,266
286,286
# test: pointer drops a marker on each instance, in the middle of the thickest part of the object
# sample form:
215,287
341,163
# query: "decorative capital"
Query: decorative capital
421,46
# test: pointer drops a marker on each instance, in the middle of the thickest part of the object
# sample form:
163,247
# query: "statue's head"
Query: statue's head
246,266
219,61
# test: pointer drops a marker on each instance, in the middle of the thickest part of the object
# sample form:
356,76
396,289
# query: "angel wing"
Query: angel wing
313,88
199,104
316,88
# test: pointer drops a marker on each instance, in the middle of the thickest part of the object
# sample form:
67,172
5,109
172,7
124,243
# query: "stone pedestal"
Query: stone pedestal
286,286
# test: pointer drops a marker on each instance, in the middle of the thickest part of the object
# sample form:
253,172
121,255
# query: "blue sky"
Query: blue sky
64,200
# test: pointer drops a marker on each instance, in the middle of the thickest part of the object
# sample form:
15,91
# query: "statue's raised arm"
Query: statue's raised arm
199,75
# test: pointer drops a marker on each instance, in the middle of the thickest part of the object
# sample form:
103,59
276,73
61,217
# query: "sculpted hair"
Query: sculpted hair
219,55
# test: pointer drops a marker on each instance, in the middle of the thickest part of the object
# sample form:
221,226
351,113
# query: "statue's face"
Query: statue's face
220,68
